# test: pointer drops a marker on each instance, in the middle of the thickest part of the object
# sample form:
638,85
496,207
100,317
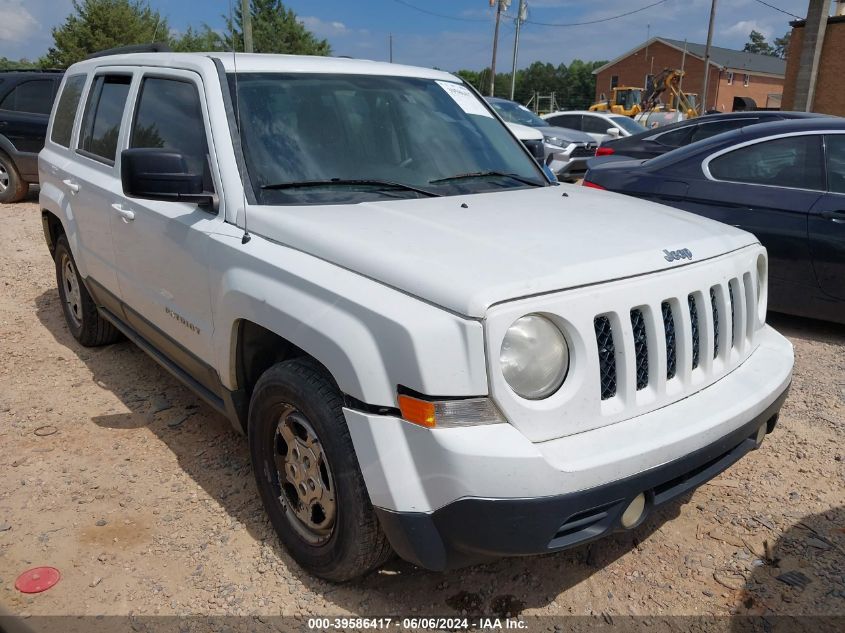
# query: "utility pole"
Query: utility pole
521,14
390,45
501,5
246,18
707,57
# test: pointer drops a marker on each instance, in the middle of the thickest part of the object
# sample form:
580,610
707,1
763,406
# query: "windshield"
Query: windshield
341,139
515,113
628,124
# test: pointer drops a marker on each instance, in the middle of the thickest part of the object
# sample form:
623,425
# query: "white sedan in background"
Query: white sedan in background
602,126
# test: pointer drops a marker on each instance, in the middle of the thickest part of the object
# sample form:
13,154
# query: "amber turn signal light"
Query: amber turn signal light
417,411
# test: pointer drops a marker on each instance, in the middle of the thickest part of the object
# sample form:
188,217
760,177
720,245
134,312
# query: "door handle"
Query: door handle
4,123
834,216
74,188
127,215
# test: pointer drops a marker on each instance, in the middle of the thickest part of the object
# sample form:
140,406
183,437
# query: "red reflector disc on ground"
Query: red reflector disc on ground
37,579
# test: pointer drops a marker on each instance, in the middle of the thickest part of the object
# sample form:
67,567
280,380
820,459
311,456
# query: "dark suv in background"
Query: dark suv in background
26,98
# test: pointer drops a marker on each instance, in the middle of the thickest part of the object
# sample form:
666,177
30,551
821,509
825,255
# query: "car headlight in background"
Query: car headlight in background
558,143
534,358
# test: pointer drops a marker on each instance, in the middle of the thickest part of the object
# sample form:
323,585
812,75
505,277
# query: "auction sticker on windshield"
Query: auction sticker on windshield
467,101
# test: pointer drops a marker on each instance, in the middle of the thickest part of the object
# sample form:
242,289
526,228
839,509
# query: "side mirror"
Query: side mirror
159,174
613,131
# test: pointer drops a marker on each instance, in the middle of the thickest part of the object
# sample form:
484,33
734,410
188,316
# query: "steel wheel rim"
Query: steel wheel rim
4,178
72,293
303,479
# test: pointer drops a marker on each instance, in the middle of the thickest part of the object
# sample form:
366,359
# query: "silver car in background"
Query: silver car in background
567,151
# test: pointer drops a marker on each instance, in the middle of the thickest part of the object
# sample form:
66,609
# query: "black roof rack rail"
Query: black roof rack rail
31,70
154,47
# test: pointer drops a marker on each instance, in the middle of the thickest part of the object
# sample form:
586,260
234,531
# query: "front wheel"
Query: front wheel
307,473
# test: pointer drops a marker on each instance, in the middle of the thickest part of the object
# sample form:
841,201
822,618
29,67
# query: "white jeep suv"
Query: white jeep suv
432,348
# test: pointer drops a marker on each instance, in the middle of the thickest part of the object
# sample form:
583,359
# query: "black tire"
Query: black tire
12,188
356,544
81,315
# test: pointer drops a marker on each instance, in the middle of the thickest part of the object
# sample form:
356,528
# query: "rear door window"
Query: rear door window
103,114
34,96
675,138
596,125
706,130
793,161
571,121
66,110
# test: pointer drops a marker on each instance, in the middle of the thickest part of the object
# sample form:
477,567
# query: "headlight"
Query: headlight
534,357
557,142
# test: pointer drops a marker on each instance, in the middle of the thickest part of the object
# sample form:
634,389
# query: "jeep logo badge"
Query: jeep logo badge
671,256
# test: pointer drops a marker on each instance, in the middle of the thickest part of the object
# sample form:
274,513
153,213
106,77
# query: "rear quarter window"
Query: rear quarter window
66,110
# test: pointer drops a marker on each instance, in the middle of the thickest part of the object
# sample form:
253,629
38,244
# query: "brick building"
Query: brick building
829,95
732,73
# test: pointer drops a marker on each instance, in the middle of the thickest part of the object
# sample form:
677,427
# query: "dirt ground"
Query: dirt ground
143,497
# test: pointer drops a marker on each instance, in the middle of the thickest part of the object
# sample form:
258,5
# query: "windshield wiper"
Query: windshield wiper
485,174
384,184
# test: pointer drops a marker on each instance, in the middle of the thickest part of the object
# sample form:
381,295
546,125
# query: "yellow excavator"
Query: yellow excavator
631,101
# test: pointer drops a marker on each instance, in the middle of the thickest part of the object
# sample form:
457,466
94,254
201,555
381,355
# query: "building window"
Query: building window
614,81
730,78
747,80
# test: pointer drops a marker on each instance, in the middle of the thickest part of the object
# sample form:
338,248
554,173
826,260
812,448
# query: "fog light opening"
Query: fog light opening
761,434
634,512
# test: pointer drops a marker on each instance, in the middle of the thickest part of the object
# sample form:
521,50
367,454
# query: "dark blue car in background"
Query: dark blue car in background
782,181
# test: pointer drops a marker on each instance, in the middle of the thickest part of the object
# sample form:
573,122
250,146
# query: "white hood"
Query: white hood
505,245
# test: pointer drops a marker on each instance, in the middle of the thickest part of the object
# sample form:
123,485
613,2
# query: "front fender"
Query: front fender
369,336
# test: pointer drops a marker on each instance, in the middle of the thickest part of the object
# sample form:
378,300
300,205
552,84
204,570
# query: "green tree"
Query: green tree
757,44
781,45
17,64
275,29
94,25
201,39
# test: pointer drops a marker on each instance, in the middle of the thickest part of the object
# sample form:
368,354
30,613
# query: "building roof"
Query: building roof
722,57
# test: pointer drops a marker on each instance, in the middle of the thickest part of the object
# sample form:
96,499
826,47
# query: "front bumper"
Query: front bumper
470,531
569,168
451,497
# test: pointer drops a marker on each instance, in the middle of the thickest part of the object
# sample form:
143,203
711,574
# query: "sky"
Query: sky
463,39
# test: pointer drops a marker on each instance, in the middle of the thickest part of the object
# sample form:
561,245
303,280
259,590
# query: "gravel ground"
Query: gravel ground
143,498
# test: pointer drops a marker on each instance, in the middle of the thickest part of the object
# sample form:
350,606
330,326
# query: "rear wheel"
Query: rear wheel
81,314
307,473
12,188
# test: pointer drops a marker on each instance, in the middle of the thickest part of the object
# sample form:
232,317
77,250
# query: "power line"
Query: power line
613,17
771,6
439,15
462,19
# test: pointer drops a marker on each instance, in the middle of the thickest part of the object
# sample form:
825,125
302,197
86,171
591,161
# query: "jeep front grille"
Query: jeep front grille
715,322
671,350
696,338
689,340
640,348
607,357
583,151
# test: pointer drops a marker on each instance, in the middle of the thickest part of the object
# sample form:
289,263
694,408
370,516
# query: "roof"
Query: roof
259,62
728,58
